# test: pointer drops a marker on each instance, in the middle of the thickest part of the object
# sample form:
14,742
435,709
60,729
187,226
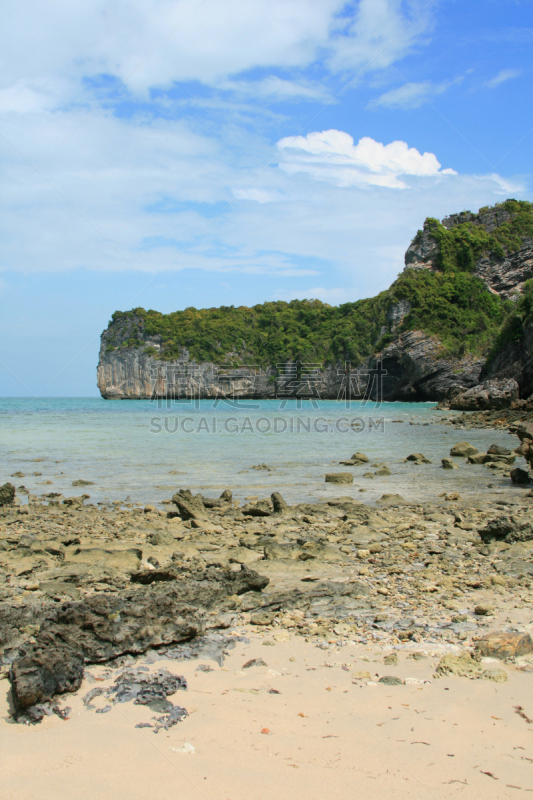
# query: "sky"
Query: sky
176,153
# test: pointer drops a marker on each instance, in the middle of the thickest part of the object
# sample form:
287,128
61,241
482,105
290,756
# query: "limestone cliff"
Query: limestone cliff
459,299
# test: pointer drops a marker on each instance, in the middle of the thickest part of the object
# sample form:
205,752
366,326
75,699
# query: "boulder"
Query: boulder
498,450
519,476
447,463
477,458
7,494
503,645
339,477
418,458
162,538
492,394
463,449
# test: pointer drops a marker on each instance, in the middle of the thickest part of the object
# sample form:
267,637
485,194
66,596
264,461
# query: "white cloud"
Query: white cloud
503,76
412,95
333,157
274,88
379,33
155,43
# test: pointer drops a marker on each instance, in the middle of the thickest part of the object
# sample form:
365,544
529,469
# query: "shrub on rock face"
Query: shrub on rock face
7,494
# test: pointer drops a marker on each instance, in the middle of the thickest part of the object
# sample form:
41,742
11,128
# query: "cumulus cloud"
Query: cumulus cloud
503,76
333,157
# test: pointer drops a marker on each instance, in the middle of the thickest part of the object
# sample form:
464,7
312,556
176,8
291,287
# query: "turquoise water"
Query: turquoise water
129,448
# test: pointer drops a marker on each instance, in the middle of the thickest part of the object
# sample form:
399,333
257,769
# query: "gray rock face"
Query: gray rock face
490,394
415,371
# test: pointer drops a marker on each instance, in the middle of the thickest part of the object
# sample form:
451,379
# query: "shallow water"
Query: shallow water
128,448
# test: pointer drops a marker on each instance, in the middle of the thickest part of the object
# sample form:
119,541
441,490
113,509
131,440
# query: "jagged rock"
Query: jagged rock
43,673
339,477
189,506
463,449
7,494
278,503
508,529
493,394
105,626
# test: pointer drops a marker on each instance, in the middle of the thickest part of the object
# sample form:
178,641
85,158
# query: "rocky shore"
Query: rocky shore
81,584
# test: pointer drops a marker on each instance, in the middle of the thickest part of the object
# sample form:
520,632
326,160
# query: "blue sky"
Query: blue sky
174,153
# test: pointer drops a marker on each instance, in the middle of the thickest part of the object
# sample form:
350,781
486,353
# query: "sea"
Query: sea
142,451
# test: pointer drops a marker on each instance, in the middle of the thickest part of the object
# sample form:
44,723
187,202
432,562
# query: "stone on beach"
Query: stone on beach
339,477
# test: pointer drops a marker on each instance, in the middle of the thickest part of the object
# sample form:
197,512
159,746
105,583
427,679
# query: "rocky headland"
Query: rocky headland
454,327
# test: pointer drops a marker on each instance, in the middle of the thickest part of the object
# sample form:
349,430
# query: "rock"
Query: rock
127,559
275,551
463,449
189,506
226,496
254,662
391,660
484,610
262,508
339,477
462,665
278,503
44,673
492,394
496,449
243,555
391,680
447,463
7,494
504,645
360,457
418,458
383,472
81,482
392,500
262,618
362,675
162,538
509,529
496,675
520,476
103,627
477,458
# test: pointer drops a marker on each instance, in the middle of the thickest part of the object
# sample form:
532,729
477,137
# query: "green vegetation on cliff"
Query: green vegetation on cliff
461,246
451,304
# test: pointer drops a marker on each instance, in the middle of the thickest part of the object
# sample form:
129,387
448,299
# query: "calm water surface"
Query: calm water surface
129,448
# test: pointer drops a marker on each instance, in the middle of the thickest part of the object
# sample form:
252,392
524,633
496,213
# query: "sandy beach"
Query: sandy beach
301,726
